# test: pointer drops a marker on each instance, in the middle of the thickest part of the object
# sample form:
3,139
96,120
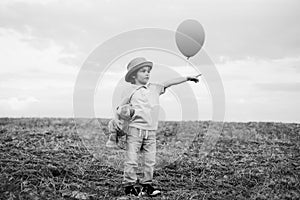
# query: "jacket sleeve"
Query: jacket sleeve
159,88
125,96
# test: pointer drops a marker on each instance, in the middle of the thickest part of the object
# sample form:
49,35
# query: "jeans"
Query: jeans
144,141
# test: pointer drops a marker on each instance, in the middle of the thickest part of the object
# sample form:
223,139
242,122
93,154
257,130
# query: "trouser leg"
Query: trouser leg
133,147
149,153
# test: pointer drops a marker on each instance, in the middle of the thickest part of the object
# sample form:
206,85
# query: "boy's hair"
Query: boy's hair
132,80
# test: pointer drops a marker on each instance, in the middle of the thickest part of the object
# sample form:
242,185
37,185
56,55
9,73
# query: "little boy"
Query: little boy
141,134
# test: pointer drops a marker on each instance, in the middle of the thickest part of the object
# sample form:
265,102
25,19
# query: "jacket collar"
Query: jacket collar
145,86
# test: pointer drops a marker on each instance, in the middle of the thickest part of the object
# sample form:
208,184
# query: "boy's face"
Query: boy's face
142,75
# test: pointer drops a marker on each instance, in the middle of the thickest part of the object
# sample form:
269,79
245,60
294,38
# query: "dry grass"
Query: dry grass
58,159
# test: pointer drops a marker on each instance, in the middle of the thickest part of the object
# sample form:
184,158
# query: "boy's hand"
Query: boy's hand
125,112
118,123
193,78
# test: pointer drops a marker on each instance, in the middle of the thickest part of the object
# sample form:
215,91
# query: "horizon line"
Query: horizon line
201,120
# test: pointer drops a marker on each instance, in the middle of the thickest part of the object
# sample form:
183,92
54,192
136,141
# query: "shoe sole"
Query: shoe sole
148,195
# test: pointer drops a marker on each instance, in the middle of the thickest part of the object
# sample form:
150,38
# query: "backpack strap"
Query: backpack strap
132,93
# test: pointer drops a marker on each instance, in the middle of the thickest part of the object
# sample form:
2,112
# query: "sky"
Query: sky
254,45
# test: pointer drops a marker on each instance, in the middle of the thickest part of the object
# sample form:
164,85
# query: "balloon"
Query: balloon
189,37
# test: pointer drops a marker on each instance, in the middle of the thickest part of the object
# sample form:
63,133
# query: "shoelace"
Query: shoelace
146,133
139,193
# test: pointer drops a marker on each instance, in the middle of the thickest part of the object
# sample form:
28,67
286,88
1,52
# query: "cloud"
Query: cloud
18,103
254,70
18,56
33,76
23,67
238,32
260,89
255,47
280,87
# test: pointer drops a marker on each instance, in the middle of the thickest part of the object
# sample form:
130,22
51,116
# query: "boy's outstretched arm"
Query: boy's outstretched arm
181,80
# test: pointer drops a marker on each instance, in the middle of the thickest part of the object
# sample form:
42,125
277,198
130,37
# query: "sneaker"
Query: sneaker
132,190
150,191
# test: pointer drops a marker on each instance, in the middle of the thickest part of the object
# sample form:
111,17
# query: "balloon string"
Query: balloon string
188,61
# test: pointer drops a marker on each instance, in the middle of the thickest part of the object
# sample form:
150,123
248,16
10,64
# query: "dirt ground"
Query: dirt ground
53,158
